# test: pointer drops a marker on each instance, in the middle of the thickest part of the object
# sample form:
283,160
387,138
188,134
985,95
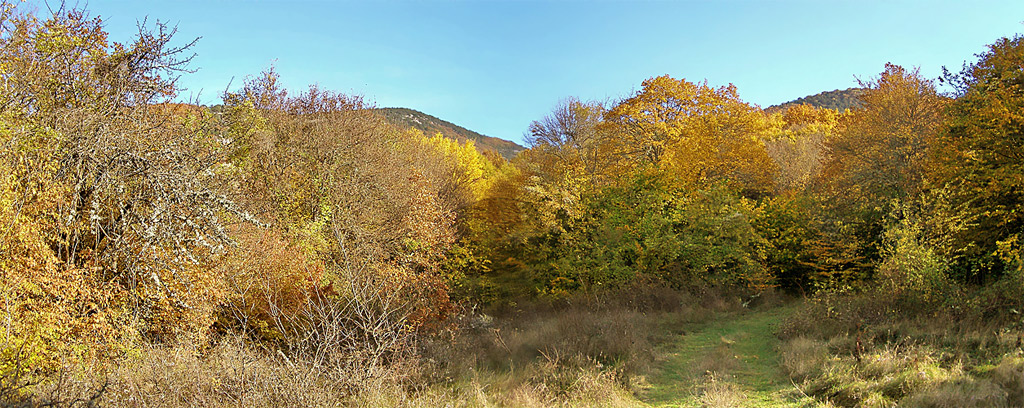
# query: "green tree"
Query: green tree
644,230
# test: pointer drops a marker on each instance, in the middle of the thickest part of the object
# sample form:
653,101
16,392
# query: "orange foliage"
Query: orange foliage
270,289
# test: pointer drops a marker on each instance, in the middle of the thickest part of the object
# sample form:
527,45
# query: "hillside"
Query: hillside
431,125
838,99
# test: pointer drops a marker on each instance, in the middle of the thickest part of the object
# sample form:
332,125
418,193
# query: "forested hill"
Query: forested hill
839,100
431,125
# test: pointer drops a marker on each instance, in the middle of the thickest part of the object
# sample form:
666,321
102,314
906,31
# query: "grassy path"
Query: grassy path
733,361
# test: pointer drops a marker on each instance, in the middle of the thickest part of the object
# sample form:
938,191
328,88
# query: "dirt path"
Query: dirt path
733,361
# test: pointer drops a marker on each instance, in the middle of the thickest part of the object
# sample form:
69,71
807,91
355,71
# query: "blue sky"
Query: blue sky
495,66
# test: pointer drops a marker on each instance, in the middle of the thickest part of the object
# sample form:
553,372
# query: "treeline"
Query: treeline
839,100
304,223
687,185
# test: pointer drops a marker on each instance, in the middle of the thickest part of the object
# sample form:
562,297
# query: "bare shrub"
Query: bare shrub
355,320
363,216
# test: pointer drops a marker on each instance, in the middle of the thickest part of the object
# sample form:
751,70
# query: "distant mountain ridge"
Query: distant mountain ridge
430,125
839,100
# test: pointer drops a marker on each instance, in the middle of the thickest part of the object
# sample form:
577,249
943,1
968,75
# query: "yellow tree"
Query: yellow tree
797,144
466,168
980,158
695,132
880,153
878,157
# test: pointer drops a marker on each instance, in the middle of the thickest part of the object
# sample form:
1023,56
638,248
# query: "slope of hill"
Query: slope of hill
431,125
838,99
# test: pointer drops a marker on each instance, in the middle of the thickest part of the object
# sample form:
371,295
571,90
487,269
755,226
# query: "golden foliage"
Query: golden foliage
695,132
114,208
796,143
880,152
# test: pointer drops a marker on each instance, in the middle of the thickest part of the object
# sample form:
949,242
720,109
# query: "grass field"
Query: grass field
731,361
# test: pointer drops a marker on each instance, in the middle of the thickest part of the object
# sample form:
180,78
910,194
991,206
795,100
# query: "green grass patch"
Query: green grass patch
731,360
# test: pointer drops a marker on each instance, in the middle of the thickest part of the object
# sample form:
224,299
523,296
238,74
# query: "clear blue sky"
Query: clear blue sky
495,66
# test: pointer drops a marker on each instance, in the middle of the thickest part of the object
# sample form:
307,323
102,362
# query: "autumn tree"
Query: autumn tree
575,134
980,156
646,191
796,143
114,195
698,133
879,155
468,171
537,199
569,159
368,212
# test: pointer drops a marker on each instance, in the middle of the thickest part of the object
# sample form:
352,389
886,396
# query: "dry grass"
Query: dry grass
719,392
720,360
578,353
962,392
803,357
233,375
868,350
1009,374
613,332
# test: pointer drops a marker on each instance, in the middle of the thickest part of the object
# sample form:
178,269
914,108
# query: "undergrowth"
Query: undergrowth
882,348
578,352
